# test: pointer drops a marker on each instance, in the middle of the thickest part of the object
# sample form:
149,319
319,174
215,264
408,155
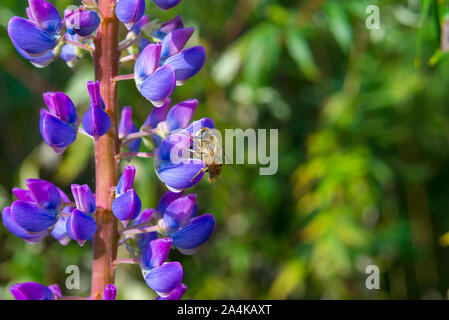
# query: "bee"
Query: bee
209,148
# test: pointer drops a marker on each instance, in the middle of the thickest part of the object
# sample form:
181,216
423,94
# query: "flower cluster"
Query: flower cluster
41,38
161,63
44,209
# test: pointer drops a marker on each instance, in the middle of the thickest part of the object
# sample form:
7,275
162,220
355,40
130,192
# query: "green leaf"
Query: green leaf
300,51
339,25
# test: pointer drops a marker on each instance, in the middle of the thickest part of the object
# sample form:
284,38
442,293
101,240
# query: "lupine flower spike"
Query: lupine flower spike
162,61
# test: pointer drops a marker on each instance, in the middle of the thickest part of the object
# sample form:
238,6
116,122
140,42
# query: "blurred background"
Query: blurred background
363,119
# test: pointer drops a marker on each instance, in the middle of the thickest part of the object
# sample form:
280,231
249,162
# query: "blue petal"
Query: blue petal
175,148
126,181
159,85
59,231
61,106
180,115
17,230
80,226
83,23
31,217
181,176
147,62
56,133
68,53
156,253
157,115
172,24
28,37
84,198
45,15
194,234
45,194
178,212
176,294
22,194
165,278
188,62
166,199
31,291
166,4
127,206
96,122
130,11
175,41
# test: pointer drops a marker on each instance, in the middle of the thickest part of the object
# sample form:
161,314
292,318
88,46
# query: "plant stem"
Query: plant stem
106,59
144,155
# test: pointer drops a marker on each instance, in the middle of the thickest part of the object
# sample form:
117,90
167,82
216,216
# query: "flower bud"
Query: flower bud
127,206
96,122
80,226
82,23
84,198
110,292
59,125
126,181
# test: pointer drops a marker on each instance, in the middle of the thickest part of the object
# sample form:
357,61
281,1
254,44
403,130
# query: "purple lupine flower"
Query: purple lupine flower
110,292
165,121
187,62
127,205
81,226
179,222
155,83
173,162
38,35
96,122
58,125
127,127
129,11
81,22
31,291
167,4
176,294
163,277
84,198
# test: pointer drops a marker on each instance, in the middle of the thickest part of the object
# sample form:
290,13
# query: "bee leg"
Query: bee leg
199,172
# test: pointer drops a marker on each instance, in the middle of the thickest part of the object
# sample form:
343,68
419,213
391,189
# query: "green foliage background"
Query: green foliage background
363,123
